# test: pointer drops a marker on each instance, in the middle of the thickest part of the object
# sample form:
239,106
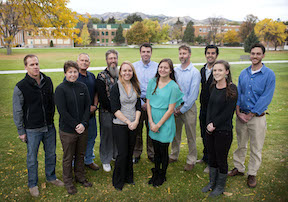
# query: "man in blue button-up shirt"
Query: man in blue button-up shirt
145,70
255,91
188,78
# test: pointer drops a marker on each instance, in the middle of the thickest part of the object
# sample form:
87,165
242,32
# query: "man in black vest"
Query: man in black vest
211,54
33,113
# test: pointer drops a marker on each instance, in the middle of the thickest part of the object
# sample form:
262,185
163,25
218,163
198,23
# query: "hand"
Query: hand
23,138
177,112
245,117
210,127
80,128
93,108
144,107
133,125
154,128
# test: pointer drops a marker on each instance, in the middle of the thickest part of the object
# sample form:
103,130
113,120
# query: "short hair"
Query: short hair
29,56
185,47
212,46
111,51
147,45
68,64
258,45
83,54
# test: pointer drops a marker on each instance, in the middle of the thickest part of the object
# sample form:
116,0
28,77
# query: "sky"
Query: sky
199,10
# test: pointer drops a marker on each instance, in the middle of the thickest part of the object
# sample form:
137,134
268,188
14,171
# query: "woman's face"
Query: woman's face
126,72
71,74
219,72
164,69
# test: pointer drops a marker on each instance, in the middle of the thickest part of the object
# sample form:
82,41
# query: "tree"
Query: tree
36,15
177,30
138,34
269,30
95,20
111,20
85,36
231,37
189,36
133,18
102,21
215,24
156,34
247,26
119,38
250,40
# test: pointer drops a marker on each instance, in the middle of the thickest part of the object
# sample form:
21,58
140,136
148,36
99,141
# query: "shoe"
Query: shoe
220,185
188,167
200,161
131,182
251,181
34,191
93,166
118,189
172,160
154,176
57,183
136,160
235,172
206,170
160,178
107,167
212,178
71,190
151,159
85,183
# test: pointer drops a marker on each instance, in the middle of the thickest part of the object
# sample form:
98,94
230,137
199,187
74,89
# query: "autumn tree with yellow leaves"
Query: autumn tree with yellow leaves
36,15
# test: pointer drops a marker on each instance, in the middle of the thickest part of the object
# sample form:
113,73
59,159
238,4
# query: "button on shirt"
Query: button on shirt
207,72
144,74
255,91
189,81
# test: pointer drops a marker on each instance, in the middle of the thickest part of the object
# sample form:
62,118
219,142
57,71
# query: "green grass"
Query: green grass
180,186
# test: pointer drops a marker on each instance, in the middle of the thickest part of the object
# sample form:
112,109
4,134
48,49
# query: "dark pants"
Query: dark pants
74,146
219,143
161,156
125,142
202,119
139,140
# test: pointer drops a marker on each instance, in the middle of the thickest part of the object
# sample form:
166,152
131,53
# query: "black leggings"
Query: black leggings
161,155
219,143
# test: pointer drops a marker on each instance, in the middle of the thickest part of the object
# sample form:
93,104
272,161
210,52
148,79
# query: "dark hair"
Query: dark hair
172,74
230,93
212,46
258,45
29,56
68,64
147,45
111,51
134,80
185,47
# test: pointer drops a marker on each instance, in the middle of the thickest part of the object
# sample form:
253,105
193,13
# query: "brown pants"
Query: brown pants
74,147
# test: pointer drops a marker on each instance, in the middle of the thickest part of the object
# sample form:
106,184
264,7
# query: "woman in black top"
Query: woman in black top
126,107
73,103
221,107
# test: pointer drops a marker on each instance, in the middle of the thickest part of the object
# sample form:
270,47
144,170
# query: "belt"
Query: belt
255,114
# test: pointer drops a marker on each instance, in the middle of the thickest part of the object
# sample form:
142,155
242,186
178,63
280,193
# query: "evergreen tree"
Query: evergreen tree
189,33
85,36
102,21
133,18
111,20
119,38
250,40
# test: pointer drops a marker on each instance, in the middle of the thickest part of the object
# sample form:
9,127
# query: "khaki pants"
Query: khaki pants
254,130
189,119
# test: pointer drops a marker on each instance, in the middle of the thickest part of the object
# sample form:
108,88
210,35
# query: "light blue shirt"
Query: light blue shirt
189,81
144,74
255,91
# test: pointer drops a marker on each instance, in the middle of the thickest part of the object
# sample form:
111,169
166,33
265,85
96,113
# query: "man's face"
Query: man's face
256,55
83,62
184,56
32,67
211,56
112,60
146,54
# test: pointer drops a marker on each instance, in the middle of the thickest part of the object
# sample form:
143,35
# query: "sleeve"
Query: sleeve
239,90
150,89
102,95
18,102
86,114
176,95
138,104
60,101
52,99
115,98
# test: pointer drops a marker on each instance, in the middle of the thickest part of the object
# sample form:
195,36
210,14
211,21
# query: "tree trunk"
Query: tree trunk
9,49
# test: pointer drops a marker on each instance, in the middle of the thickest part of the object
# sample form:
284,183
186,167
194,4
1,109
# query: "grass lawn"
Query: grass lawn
180,186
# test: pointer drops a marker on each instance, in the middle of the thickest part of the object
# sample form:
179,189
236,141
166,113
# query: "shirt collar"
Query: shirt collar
188,68
146,66
262,70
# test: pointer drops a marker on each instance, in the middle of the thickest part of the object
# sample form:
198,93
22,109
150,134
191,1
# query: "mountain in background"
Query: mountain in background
163,19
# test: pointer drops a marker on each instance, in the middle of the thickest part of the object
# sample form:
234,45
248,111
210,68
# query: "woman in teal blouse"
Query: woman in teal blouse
163,95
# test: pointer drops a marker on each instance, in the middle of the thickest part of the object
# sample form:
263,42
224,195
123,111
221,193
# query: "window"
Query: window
200,29
103,34
113,33
106,33
102,40
204,30
107,40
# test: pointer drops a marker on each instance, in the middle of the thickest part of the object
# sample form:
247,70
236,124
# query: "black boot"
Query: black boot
154,176
212,177
161,178
220,185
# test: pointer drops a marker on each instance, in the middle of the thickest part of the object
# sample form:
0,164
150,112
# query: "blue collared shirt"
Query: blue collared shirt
189,81
144,74
255,91
89,80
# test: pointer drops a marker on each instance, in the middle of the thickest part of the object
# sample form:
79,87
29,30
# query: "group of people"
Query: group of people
159,95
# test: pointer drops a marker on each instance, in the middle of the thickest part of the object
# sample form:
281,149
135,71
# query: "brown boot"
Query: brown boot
235,172
251,181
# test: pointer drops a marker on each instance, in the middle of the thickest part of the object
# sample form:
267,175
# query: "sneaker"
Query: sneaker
188,167
107,167
57,183
34,191
206,170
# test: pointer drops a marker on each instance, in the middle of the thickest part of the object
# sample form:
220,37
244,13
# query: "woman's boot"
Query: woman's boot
212,177
154,176
220,185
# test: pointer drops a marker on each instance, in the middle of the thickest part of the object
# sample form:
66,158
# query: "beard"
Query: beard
114,71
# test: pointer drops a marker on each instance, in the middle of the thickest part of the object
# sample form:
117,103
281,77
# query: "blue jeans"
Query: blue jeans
49,144
92,134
